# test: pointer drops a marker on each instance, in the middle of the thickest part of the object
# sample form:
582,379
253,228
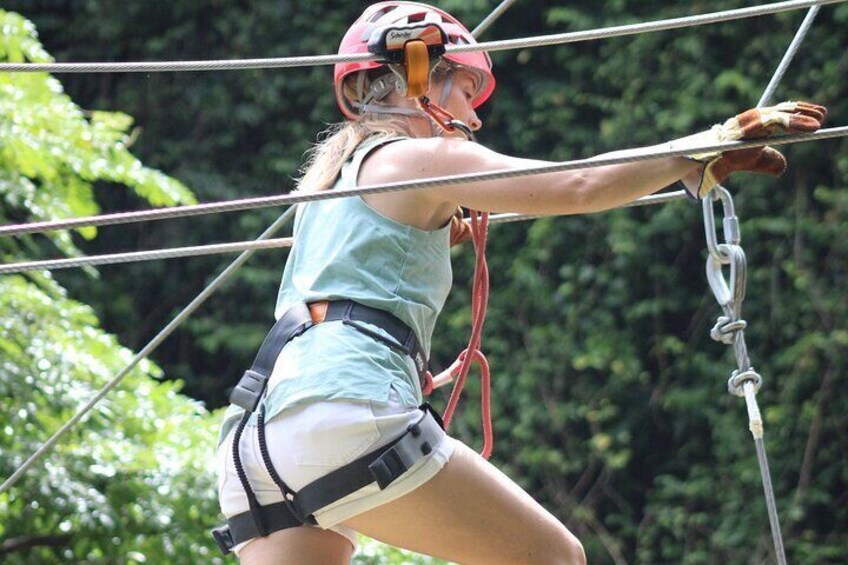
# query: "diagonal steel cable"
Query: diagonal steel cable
789,55
522,43
630,156
492,18
147,350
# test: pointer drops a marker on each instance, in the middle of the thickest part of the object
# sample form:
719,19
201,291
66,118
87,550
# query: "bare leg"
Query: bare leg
297,546
472,513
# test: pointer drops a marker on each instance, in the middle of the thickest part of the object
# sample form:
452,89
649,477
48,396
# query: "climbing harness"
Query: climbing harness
382,466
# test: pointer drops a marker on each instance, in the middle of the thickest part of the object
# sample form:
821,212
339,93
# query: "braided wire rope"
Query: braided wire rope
730,328
152,255
195,251
492,18
214,249
503,45
631,156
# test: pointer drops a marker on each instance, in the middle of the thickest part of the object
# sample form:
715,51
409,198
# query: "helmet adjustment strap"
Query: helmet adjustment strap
411,52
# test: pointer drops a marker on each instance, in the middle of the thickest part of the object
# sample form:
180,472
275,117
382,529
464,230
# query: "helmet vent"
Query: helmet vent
380,13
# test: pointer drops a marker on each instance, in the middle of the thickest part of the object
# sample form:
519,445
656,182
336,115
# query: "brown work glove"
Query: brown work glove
460,231
787,117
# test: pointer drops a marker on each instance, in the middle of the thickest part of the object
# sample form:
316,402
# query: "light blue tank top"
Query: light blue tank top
346,250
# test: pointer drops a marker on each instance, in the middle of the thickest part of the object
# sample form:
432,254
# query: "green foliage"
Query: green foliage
131,484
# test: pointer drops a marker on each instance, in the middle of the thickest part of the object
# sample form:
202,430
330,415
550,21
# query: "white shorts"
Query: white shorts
307,442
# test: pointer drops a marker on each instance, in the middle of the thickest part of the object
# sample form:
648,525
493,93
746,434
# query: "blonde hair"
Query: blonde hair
338,142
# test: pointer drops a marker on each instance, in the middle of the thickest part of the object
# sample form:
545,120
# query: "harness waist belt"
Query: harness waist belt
355,314
300,317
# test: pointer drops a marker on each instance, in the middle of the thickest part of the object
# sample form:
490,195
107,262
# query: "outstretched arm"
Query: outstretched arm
568,192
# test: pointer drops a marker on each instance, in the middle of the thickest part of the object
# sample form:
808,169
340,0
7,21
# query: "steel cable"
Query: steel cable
147,350
730,328
521,43
633,155
180,252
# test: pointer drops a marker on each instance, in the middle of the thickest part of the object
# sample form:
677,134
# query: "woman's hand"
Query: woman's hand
787,117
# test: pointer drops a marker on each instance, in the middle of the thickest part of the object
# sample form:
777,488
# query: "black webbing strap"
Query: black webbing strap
354,314
250,388
383,466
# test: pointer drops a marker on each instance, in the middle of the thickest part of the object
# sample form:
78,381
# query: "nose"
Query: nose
474,122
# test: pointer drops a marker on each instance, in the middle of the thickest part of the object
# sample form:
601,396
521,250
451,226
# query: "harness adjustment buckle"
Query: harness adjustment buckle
224,538
248,392
299,514
386,468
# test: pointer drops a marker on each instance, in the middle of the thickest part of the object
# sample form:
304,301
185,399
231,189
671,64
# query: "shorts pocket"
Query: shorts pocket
331,434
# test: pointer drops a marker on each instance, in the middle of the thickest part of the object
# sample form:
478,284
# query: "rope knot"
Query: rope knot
726,329
736,383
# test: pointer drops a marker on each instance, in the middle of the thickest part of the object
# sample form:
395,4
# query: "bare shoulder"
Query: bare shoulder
406,160
419,158
437,157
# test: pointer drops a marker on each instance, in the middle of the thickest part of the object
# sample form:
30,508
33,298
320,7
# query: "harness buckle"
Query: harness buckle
299,514
224,538
248,392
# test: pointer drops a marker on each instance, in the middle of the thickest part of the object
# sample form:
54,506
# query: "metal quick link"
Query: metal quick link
730,330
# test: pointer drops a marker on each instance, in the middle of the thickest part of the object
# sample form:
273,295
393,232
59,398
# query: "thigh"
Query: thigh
472,513
297,546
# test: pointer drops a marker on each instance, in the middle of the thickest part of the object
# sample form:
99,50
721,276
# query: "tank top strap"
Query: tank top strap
350,170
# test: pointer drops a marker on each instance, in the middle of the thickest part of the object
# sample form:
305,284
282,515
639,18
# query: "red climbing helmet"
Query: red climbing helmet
394,13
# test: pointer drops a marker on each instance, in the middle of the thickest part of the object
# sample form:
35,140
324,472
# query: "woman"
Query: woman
344,388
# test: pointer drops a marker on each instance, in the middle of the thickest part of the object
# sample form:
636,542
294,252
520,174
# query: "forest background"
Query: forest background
609,401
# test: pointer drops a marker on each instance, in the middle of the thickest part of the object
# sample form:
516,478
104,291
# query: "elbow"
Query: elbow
583,193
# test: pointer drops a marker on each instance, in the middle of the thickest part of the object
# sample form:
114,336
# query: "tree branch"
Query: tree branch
23,543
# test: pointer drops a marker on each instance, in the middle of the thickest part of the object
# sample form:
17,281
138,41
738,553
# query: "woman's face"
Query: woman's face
460,98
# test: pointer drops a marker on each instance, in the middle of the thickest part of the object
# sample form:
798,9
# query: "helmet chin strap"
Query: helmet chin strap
440,120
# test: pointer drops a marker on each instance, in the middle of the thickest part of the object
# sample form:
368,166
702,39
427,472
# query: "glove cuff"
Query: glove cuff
702,180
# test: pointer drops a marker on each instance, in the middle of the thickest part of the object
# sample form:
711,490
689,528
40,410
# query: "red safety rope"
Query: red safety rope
458,371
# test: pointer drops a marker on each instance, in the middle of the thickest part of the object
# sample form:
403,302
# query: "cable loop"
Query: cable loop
726,328
728,293
736,383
